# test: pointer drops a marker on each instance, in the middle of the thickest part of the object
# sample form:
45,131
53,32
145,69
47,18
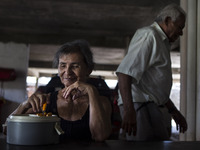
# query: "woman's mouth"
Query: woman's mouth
69,79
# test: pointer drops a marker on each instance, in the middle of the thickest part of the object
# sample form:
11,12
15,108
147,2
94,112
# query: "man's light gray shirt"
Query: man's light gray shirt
148,62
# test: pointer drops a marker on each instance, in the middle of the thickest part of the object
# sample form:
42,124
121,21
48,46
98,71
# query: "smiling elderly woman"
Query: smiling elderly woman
84,113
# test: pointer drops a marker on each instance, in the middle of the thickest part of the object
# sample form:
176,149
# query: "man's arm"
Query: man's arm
181,123
129,118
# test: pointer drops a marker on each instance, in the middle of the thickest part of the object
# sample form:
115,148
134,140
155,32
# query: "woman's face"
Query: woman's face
72,68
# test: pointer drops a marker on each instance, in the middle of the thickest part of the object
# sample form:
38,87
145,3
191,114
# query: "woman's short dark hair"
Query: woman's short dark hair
80,46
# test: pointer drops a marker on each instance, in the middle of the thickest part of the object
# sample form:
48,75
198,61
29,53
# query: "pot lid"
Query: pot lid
32,118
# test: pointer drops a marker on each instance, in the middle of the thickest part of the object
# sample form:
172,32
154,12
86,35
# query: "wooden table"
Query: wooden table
107,145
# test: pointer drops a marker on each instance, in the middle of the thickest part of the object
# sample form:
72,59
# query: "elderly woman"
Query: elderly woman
84,113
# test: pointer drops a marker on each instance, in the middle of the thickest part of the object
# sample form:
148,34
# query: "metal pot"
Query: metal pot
33,130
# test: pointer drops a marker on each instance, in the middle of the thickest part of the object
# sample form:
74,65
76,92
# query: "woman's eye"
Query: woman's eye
62,65
75,66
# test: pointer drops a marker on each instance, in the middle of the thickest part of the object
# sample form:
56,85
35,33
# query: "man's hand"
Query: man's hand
129,121
181,123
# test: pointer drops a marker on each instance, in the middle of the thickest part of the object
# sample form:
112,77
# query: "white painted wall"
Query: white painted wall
15,56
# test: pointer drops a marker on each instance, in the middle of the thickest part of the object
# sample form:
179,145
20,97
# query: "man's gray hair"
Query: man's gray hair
174,11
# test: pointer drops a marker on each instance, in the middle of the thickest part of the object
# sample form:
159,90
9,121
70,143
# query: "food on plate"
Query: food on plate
44,114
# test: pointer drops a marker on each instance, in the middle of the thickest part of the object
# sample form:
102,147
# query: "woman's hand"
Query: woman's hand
36,101
33,104
76,90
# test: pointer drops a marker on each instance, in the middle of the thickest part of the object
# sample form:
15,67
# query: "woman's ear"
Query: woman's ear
89,71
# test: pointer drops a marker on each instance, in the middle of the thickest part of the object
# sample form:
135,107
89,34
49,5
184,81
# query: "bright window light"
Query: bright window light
111,83
30,80
43,80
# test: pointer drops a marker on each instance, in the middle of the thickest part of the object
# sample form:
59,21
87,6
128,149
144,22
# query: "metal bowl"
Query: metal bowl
33,130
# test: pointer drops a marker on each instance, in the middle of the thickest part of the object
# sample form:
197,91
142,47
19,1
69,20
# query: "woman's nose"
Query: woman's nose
67,70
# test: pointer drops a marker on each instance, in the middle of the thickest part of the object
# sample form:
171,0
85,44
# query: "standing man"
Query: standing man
145,78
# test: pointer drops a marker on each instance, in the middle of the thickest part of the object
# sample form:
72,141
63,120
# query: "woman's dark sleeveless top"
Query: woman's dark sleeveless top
78,129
